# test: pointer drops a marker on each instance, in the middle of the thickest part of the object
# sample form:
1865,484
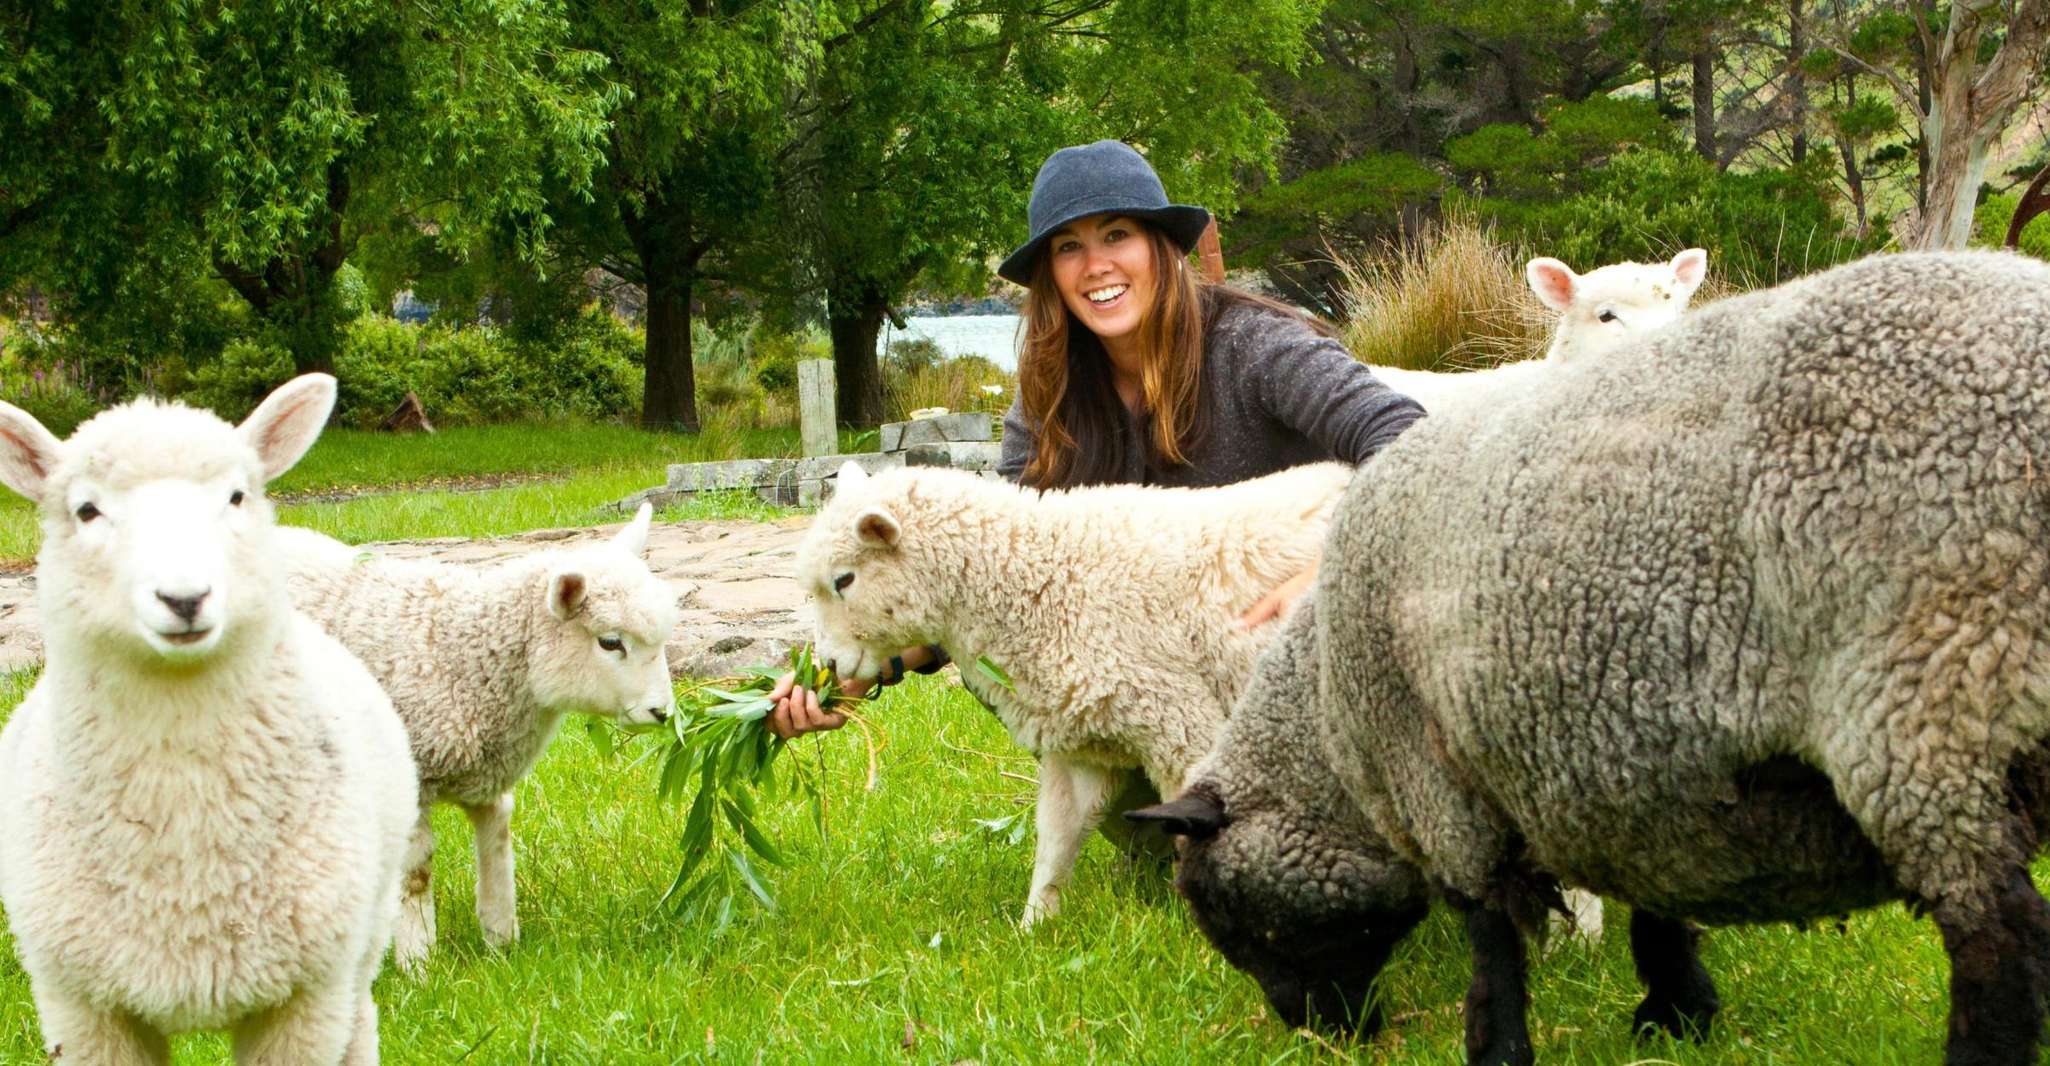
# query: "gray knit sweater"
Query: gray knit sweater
1275,395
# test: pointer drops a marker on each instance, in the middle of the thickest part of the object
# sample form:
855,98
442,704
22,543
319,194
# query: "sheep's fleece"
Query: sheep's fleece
201,824
1113,609
1747,624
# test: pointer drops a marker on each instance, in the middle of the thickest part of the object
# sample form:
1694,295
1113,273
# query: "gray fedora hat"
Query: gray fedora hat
1107,177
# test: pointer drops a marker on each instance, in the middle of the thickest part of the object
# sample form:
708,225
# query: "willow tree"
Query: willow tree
254,139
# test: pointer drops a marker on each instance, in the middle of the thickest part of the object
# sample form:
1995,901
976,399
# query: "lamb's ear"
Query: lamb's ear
286,423
1194,814
565,594
1689,267
851,474
28,452
1552,281
877,528
634,537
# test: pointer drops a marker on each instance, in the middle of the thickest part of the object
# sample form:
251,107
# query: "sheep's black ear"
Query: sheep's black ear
1196,815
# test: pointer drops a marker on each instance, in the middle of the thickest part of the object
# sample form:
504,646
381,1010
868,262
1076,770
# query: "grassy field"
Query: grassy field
551,476
896,943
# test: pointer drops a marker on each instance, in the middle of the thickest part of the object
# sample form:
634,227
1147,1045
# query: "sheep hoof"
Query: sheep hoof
1681,1022
503,934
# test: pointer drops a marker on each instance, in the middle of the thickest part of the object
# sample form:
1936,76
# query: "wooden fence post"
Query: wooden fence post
1210,253
818,417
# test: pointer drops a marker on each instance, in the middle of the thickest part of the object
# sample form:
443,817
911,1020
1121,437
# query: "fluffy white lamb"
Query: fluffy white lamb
1113,610
1598,311
206,798
482,663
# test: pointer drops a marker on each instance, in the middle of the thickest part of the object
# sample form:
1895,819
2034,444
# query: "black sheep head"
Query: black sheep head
1311,909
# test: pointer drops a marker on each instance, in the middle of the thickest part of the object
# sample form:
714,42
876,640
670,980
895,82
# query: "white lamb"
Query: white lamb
482,663
1598,311
1113,610
206,797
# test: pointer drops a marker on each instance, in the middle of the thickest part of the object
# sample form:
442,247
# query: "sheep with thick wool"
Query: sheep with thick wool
483,663
206,798
1598,311
1752,625
1113,611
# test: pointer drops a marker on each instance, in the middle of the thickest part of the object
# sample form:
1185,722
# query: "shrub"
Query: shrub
1760,227
474,374
232,384
958,384
1991,218
55,392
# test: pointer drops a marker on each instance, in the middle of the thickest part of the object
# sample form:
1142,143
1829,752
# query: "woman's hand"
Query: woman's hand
797,710
1269,607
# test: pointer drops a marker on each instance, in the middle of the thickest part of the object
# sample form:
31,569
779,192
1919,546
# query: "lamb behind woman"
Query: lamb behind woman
1112,609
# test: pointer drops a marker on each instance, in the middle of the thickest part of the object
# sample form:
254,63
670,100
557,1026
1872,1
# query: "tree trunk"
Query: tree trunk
855,317
660,231
2035,200
1704,101
1797,86
1969,105
669,397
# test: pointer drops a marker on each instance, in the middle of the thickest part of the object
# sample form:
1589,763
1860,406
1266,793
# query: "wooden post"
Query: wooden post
2035,200
1210,253
818,419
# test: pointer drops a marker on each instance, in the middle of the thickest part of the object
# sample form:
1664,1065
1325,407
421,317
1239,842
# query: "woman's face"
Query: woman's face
1103,267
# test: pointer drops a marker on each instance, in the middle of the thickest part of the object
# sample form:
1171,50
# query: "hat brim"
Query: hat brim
1183,224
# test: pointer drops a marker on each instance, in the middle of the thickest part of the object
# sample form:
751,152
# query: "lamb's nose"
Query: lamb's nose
659,713
832,666
185,607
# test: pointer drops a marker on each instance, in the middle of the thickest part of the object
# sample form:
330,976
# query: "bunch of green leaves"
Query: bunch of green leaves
721,759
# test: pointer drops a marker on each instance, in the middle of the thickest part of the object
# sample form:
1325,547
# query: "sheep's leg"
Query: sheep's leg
414,936
363,1039
1679,996
1999,976
497,910
76,1032
313,1026
1071,796
1496,1031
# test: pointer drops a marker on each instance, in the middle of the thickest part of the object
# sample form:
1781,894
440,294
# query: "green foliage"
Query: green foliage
245,372
1995,213
50,389
1514,162
1760,227
914,355
476,374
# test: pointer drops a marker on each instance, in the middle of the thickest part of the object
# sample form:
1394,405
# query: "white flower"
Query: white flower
992,390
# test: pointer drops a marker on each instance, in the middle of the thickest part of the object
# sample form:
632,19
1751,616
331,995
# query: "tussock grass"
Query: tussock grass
955,384
898,928
1454,300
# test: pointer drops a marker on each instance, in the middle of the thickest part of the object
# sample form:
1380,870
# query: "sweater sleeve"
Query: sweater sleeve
1021,442
1311,384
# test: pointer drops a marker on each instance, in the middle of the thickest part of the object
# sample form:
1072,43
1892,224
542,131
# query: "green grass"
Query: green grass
584,466
901,921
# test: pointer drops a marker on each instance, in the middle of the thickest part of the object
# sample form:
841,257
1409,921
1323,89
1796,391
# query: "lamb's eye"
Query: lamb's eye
1607,316
235,498
840,583
87,512
611,643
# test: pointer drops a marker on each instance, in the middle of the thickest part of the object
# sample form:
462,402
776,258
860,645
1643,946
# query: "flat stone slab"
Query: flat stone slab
953,426
975,456
729,474
741,606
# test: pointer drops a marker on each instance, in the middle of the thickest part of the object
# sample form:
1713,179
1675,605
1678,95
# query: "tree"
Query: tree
692,159
1966,85
254,140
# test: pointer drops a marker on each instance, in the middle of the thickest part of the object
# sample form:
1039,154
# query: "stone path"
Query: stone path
740,606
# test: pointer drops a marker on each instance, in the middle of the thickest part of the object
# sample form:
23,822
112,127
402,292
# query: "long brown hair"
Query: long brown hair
1065,385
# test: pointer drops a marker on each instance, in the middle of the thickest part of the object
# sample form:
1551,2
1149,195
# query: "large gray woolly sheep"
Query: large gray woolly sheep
1752,625
483,663
205,798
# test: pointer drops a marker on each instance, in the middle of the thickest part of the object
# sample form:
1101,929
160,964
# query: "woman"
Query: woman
1133,371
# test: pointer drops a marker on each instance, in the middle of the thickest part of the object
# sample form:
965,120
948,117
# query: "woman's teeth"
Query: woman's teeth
1104,296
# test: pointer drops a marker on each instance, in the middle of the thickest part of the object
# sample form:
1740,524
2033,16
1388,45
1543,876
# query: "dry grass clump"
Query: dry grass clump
1454,299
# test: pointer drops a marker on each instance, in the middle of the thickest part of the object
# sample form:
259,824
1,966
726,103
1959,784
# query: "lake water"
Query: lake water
994,337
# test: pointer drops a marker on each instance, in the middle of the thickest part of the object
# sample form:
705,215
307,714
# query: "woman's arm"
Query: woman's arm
1311,384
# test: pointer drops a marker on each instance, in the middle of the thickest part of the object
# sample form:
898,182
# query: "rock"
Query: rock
410,417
